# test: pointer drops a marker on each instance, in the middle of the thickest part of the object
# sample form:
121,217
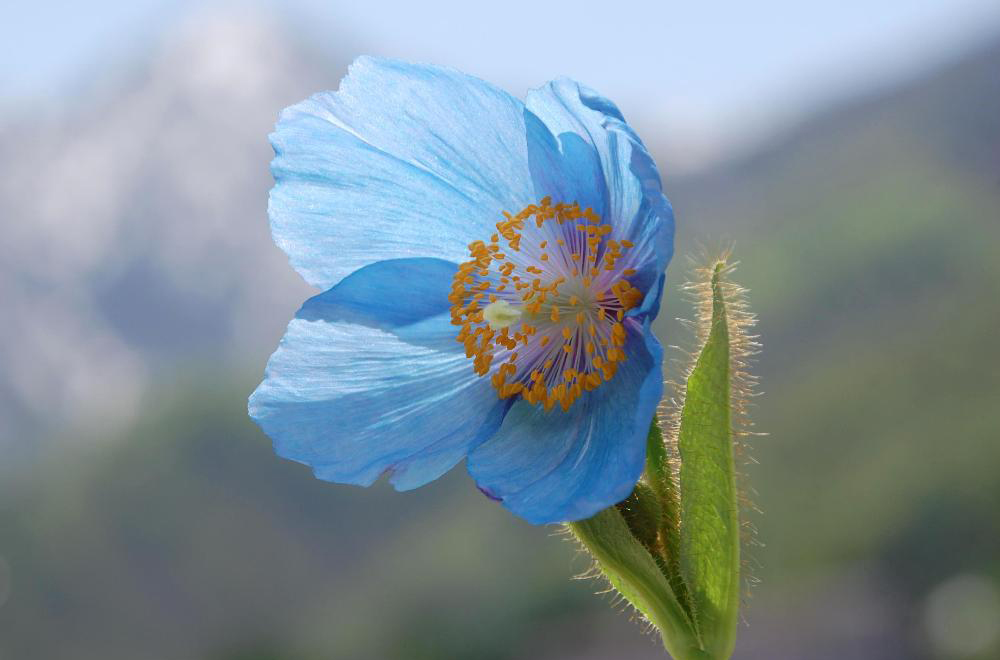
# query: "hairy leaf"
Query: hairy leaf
710,529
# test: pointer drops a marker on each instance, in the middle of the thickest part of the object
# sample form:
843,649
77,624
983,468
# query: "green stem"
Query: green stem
634,573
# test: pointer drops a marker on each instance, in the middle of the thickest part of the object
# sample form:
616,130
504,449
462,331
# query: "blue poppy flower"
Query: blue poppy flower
490,270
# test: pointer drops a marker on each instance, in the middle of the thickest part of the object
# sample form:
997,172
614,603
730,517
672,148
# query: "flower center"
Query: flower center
544,317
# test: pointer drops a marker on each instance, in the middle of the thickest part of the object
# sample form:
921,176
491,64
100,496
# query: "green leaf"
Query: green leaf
710,529
633,572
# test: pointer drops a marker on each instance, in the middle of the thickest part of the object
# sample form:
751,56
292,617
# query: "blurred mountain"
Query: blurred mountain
136,234
868,237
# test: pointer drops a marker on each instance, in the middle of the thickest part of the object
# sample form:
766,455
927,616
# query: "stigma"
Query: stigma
541,306
501,314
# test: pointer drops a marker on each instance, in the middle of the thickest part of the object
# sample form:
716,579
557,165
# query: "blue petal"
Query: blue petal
633,194
559,466
568,168
650,307
369,379
404,160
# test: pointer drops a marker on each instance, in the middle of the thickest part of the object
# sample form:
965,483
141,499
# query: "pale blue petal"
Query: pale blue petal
568,169
369,379
559,466
650,307
404,160
634,200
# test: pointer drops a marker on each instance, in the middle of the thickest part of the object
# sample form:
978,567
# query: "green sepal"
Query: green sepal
710,528
641,512
659,476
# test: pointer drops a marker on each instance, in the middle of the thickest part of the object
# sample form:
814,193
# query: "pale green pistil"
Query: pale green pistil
501,314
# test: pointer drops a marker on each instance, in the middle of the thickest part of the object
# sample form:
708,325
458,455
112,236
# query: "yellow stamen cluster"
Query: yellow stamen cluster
550,311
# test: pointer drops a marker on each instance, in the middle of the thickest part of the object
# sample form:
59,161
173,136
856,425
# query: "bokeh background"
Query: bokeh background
851,150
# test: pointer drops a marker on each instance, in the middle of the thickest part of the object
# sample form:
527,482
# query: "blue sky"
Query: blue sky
704,68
